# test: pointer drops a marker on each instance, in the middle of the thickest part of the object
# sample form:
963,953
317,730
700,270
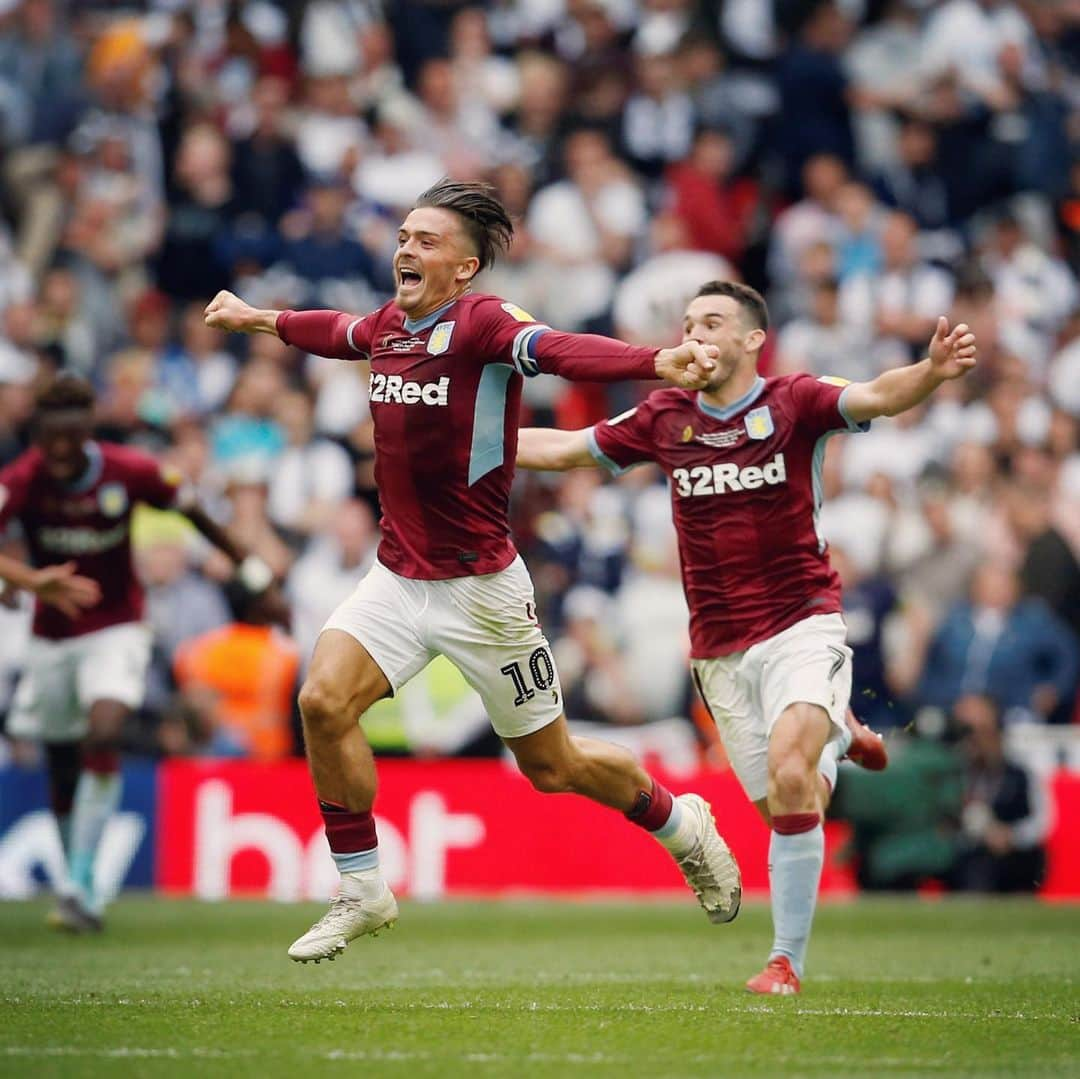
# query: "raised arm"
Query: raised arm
323,333
951,354
586,357
545,449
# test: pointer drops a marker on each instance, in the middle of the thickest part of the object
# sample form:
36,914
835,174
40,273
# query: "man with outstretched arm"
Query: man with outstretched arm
446,371
743,456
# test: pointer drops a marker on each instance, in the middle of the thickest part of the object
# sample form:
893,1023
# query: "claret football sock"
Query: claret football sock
354,847
796,855
658,812
97,796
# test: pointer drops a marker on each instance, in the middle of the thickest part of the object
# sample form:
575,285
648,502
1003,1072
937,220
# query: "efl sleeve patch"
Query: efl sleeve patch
519,314
834,380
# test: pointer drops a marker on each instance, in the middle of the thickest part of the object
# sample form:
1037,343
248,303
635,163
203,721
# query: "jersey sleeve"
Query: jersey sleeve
149,481
335,334
511,335
14,488
624,441
820,405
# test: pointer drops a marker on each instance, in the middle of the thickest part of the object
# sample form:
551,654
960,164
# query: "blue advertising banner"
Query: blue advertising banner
30,846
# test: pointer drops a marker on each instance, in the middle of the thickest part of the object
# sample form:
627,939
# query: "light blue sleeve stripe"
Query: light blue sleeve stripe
489,421
599,456
852,426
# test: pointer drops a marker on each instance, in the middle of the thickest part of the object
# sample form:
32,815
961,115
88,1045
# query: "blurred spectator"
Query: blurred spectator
823,343
190,264
41,96
1005,647
814,116
196,374
266,171
311,477
1006,818
241,680
584,227
912,181
594,676
651,299
898,304
869,604
333,265
717,210
332,565
658,119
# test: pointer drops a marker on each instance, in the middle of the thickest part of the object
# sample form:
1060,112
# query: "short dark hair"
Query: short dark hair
749,299
65,393
484,217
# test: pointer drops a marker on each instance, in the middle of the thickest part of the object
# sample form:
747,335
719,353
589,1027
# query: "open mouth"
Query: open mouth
408,278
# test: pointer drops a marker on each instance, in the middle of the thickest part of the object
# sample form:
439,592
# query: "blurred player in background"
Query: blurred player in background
446,376
89,651
768,646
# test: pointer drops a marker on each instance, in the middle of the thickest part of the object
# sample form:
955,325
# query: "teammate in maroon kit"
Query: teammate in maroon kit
768,646
89,651
446,376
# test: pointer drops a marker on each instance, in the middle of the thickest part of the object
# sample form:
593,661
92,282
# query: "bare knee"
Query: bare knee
792,784
325,711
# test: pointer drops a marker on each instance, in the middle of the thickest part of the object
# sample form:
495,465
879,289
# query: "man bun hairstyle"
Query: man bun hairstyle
67,392
485,218
749,299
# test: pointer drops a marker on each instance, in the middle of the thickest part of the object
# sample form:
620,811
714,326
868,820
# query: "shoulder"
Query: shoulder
124,459
484,304
25,468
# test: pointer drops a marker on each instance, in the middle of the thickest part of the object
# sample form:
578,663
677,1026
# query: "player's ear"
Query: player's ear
754,341
467,269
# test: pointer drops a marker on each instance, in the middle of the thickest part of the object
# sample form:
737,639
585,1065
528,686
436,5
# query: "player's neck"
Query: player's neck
737,386
436,305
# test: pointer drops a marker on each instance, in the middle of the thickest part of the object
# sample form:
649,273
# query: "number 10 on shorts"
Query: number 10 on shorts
541,671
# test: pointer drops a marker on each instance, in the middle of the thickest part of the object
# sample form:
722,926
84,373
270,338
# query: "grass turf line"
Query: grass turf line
895,988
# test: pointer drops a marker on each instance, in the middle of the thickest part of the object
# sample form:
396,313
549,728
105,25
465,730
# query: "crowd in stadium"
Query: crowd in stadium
867,164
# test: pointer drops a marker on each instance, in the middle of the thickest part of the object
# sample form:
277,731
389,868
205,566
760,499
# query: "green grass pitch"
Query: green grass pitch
896,988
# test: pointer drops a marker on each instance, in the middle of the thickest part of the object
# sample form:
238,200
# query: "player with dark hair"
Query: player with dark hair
89,650
768,648
446,374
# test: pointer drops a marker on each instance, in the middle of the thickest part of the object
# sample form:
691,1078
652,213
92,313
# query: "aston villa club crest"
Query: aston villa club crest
439,340
759,422
112,499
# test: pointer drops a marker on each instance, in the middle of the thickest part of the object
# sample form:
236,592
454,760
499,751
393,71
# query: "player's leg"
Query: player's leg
487,628
46,709
368,649
110,683
804,677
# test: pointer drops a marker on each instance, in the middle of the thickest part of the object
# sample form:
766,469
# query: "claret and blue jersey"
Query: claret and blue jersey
745,490
445,401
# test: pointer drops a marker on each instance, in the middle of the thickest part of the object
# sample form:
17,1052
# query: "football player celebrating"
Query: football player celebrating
446,373
89,649
768,650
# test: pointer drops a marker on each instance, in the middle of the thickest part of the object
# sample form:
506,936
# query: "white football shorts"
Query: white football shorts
64,678
486,626
747,692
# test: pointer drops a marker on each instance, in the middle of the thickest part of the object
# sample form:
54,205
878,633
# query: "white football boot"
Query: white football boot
709,866
347,919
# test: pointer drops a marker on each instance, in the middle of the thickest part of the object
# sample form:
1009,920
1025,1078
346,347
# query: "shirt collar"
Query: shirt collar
95,462
415,325
735,407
